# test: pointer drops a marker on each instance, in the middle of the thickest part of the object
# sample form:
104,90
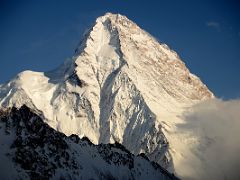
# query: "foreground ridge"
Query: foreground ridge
30,149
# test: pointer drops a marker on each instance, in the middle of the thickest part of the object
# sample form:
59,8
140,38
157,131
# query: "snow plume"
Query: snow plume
215,128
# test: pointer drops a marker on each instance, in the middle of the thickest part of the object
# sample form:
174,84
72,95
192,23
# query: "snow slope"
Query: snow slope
31,149
122,86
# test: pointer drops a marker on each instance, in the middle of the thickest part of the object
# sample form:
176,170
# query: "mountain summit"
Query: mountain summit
122,85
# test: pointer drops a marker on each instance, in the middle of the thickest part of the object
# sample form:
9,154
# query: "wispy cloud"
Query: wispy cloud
213,24
216,125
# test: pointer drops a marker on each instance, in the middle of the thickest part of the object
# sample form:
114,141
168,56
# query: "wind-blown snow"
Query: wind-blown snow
122,85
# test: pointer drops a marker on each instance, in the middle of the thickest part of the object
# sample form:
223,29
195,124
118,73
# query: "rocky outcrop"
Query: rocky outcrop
40,152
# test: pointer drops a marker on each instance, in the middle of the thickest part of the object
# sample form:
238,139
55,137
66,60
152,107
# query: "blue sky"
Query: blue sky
40,35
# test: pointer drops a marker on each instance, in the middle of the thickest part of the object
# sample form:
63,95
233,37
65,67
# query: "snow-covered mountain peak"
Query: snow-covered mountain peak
122,85
114,41
111,17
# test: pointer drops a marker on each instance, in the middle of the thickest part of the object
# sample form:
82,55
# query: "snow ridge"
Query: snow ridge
31,149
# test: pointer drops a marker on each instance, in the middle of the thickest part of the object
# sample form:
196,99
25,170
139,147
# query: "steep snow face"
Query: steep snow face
30,149
122,85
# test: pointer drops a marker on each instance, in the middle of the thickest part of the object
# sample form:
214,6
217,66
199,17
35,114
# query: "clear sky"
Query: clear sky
40,35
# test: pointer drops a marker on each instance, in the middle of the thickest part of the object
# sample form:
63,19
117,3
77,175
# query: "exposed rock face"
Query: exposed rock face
121,86
35,150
